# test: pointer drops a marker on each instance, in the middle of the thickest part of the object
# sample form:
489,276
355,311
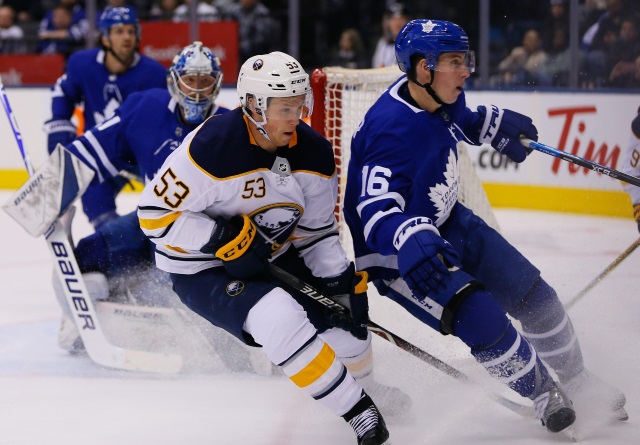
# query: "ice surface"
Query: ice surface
50,398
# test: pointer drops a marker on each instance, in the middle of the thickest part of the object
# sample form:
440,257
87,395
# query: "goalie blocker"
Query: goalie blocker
49,192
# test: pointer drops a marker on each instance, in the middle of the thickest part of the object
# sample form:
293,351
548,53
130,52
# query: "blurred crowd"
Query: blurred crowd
529,43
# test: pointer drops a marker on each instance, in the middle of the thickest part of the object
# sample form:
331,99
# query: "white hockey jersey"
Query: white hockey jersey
631,165
220,171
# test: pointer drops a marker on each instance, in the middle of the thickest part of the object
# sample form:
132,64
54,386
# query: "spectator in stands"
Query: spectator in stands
11,35
164,9
626,79
351,51
599,39
206,12
26,10
257,29
558,63
621,55
526,64
393,19
59,36
557,18
63,32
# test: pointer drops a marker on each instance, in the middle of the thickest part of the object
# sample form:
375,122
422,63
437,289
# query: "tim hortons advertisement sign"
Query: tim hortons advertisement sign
596,127
160,41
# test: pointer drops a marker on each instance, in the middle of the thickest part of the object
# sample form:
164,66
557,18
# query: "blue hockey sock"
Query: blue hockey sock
482,325
546,324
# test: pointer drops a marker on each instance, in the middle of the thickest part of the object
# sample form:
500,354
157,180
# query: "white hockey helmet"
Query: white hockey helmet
273,75
197,102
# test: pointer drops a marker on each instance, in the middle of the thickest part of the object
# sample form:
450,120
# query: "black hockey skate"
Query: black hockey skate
367,422
555,409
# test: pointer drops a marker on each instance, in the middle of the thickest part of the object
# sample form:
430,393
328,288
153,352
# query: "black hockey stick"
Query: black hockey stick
582,162
603,274
306,289
84,314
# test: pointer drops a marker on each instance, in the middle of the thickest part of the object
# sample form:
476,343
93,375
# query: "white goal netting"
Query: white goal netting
342,97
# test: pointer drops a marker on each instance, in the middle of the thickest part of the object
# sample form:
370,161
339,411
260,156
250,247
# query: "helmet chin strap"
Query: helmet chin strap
427,86
127,64
259,125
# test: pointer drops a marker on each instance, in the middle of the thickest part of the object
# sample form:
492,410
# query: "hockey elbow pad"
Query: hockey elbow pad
502,129
244,252
60,131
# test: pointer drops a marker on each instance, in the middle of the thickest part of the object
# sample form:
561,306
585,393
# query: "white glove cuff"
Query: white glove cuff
492,121
410,227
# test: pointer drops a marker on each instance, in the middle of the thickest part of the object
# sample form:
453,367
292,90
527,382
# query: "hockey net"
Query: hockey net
341,98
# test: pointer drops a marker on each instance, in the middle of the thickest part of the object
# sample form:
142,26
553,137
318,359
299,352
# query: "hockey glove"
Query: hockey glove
636,214
349,289
60,131
503,130
244,252
424,261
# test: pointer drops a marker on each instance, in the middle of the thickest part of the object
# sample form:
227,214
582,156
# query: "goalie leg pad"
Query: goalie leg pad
49,192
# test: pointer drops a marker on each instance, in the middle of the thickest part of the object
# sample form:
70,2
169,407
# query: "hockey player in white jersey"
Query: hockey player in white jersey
432,255
253,186
631,166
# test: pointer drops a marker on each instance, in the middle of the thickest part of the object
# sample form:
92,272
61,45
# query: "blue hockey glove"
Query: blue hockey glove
349,289
503,130
60,131
424,261
244,252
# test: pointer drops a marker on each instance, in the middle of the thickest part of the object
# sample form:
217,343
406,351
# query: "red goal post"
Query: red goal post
342,96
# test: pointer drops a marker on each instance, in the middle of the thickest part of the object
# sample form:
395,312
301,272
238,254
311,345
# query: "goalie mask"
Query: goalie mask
194,82
269,76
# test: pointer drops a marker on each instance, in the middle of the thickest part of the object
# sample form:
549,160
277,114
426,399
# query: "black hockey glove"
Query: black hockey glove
636,214
244,252
349,289
424,261
503,130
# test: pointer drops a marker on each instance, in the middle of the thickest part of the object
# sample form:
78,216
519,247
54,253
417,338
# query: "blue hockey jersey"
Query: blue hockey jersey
403,165
87,81
145,129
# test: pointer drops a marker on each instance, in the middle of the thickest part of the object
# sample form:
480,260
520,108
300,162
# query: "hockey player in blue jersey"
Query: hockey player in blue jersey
432,255
101,79
144,131
252,186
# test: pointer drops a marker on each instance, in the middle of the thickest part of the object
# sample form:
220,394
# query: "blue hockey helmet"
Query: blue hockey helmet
118,16
431,38
197,96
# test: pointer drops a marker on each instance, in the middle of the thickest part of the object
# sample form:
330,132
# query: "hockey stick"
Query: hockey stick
306,289
603,274
582,162
98,347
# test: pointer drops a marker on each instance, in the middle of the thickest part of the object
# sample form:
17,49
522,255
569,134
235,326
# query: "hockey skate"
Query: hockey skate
392,401
367,422
554,409
590,393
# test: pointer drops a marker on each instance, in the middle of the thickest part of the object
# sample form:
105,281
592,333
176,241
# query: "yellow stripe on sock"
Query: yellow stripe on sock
314,370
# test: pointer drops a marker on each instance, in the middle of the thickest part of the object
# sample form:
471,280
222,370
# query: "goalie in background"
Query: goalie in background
435,257
117,259
258,185
631,166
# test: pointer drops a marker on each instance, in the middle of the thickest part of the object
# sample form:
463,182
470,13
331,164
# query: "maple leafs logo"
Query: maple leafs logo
444,195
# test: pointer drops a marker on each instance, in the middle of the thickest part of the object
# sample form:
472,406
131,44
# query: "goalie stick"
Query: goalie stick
98,347
582,162
306,289
603,274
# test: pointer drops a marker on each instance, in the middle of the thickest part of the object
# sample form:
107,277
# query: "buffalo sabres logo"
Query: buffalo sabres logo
235,288
428,27
277,222
257,64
